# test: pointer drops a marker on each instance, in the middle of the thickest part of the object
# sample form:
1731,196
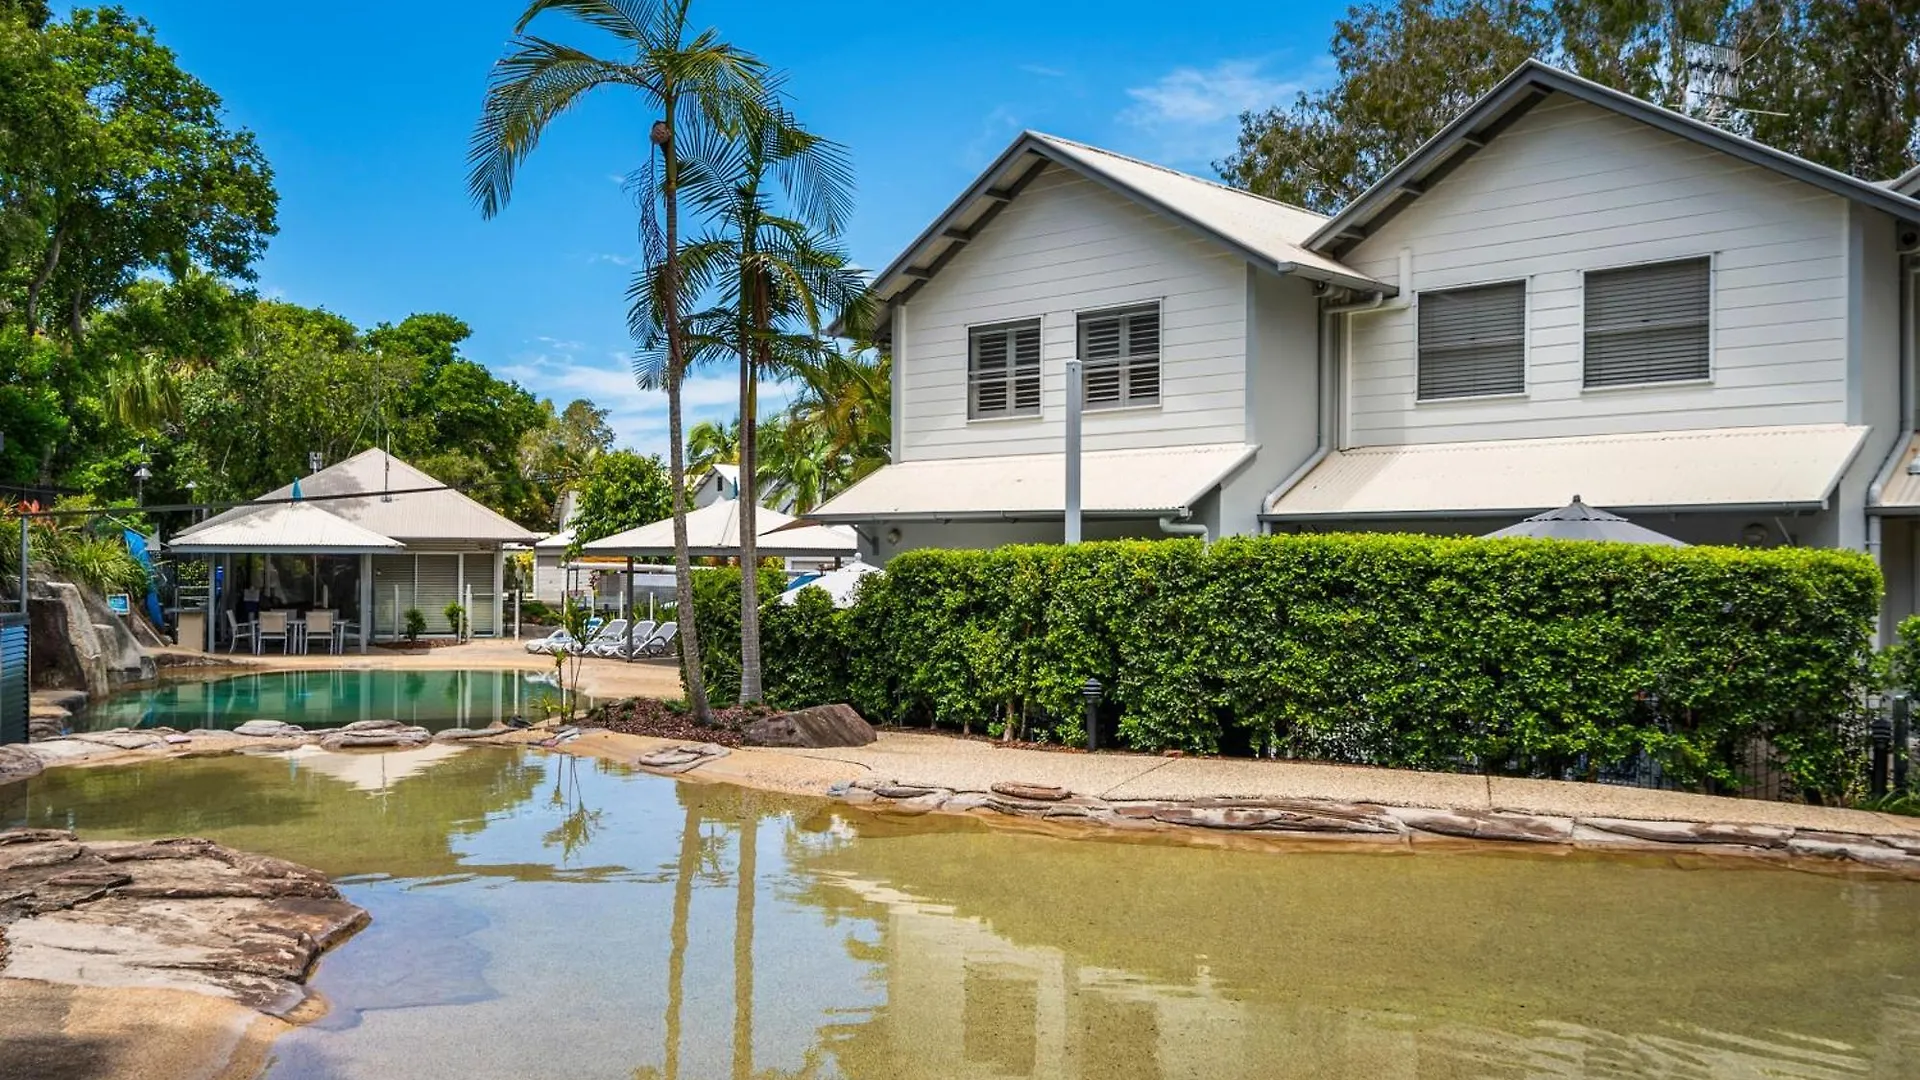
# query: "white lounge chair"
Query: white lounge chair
661,641
616,649
552,641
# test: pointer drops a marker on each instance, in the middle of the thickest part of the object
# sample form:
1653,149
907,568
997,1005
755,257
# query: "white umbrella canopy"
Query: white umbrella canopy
841,585
1578,521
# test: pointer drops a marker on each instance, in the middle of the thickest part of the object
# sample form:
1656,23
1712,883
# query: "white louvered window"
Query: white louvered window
1003,371
1473,342
1649,324
1121,354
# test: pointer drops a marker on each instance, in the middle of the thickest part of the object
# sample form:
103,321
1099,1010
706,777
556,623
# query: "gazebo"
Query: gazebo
370,538
714,531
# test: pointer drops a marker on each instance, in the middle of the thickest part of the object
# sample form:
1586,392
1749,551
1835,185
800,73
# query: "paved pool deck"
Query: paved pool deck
599,677
967,765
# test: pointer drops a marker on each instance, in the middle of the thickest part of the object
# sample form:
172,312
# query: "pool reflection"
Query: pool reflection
552,916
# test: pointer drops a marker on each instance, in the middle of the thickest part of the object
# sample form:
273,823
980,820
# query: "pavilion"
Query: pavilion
368,538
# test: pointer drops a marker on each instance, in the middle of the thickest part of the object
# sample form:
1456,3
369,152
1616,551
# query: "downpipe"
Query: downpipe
1178,526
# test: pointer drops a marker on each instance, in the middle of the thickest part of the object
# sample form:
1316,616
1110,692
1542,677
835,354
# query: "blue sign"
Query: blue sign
119,604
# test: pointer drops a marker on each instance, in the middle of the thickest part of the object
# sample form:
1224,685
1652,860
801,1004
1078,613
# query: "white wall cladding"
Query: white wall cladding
1066,245
1569,188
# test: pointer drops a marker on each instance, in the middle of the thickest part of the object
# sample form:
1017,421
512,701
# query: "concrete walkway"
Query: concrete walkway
972,765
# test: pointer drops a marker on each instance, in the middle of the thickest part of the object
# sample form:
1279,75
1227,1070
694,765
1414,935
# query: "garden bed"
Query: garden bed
671,720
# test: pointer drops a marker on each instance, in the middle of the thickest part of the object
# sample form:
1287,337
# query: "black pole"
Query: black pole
1902,740
1880,732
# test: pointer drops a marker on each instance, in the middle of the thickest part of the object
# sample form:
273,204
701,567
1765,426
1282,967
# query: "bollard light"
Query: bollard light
1093,692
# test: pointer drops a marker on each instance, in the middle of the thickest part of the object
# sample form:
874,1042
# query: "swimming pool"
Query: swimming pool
434,700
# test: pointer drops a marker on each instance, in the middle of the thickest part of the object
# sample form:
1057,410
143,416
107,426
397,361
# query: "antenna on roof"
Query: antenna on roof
1713,79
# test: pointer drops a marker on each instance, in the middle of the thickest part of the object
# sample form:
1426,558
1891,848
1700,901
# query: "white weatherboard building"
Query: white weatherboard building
372,537
1567,291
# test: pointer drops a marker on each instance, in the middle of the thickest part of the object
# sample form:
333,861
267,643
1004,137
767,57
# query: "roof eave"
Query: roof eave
1786,507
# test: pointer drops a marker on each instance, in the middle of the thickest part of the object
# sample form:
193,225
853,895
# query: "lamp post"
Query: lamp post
140,477
1093,692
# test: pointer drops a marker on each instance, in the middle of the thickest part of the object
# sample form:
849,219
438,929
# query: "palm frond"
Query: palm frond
530,86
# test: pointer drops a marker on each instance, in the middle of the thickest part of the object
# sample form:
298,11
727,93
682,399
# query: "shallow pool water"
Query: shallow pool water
431,699
547,916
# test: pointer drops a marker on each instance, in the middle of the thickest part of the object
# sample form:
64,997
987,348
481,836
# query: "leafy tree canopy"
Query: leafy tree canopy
1835,81
114,163
622,490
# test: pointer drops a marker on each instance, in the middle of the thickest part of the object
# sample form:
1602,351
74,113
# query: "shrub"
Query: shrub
716,617
416,624
1516,655
536,611
456,618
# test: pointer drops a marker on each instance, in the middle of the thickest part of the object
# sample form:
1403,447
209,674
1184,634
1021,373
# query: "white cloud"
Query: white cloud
1043,71
639,417
997,129
1192,113
617,260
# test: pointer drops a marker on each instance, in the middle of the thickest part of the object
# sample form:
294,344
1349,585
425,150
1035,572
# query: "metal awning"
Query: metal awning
714,530
1727,469
282,529
1149,482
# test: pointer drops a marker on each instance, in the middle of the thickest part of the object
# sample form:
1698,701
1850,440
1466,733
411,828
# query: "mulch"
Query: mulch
662,720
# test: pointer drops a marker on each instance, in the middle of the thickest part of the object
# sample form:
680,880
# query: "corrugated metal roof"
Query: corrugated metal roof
416,519
1902,491
1704,469
1274,229
714,529
1267,232
281,527
1113,483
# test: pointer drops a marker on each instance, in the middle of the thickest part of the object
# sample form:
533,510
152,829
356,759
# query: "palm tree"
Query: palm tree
710,444
774,271
696,84
845,407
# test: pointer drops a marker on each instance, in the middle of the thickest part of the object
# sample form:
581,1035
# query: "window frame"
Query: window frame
1712,259
1125,403
1011,328
1526,341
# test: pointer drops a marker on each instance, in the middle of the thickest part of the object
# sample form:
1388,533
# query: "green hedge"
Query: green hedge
1387,650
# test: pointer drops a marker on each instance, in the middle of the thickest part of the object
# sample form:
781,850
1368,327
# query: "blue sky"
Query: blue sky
365,109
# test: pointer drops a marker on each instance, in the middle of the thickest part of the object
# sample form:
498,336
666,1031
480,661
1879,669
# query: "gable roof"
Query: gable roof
1268,233
1526,87
416,517
1907,183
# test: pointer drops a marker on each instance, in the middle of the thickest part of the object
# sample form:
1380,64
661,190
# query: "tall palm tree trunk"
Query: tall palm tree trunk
743,947
691,675
677,937
750,681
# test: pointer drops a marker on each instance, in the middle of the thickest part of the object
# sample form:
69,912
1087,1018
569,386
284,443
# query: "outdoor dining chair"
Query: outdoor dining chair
321,624
241,631
273,626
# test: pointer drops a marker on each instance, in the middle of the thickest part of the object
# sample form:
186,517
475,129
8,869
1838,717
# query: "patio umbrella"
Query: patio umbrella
1578,521
842,584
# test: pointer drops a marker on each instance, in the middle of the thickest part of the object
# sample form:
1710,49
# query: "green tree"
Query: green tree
1834,81
840,423
622,490
694,83
146,177
711,443
1404,69
775,196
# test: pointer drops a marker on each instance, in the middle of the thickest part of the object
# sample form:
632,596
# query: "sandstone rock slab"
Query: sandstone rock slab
814,728
269,729
182,913
1015,789
1692,832
18,763
1486,824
